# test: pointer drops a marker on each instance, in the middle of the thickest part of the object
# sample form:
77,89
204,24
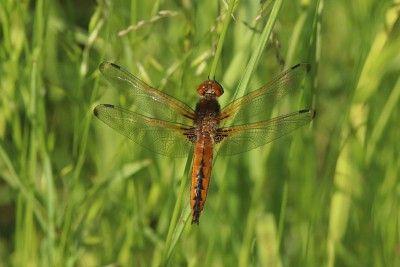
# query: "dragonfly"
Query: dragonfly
168,126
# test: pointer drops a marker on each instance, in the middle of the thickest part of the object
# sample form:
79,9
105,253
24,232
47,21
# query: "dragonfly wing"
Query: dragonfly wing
256,105
170,139
145,99
237,139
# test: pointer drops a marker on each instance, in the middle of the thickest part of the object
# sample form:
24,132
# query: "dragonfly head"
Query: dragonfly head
210,89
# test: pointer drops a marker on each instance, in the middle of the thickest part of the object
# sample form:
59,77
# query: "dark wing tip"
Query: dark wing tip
312,112
96,109
308,66
105,65
108,105
296,66
115,65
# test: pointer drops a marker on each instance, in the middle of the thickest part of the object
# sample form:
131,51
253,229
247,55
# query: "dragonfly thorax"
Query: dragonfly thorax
207,110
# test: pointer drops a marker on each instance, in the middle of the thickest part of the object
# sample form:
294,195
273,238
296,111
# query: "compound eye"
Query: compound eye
210,87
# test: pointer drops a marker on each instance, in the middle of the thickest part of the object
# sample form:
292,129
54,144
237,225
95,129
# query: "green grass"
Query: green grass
75,193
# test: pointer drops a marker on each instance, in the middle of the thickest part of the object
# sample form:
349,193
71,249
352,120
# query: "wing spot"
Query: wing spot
115,65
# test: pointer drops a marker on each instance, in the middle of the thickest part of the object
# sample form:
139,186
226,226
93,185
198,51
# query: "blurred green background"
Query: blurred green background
73,192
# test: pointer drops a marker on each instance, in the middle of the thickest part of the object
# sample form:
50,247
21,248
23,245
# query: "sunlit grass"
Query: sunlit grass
75,193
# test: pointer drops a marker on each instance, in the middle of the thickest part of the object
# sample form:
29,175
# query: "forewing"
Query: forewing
145,99
256,105
241,138
170,139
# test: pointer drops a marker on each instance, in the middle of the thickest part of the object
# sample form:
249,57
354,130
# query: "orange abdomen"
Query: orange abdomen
201,172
